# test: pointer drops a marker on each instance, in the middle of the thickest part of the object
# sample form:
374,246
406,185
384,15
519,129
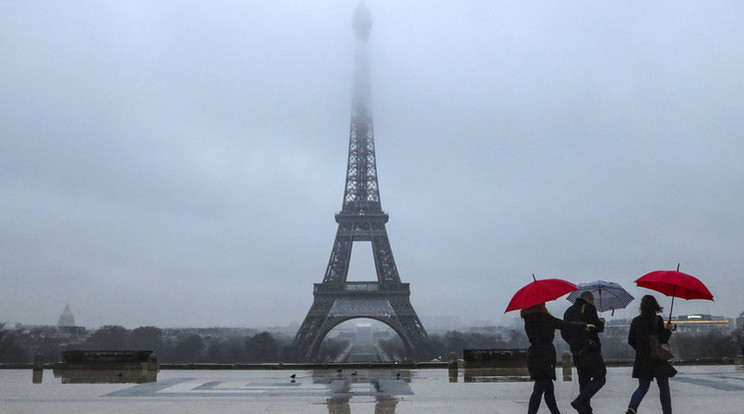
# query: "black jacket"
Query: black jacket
644,366
540,329
583,340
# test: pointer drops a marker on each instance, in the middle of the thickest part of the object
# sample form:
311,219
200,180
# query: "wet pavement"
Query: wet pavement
696,389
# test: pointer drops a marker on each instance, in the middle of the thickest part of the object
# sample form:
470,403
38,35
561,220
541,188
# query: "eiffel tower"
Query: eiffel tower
361,218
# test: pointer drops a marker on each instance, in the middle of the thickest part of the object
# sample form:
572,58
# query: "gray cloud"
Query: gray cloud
177,164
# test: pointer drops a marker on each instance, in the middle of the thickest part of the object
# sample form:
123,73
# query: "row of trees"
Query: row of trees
710,346
186,346
172,346
11,347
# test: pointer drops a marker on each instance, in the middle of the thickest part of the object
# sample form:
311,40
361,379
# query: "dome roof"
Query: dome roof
66,318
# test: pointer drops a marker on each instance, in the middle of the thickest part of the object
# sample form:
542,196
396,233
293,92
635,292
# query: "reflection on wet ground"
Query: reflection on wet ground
496,374
338,390
490,365
390,382
105,376
320,391
101,367
341,405
382,387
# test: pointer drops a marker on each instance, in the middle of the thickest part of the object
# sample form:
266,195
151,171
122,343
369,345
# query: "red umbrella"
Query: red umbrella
539,291
675,284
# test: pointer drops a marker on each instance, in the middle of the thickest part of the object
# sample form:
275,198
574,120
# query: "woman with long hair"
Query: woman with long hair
646,368
540,327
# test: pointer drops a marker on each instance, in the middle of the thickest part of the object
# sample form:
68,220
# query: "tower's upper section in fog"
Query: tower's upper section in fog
362,23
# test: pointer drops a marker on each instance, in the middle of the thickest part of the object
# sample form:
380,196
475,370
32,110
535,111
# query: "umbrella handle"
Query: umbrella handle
671,308
673,293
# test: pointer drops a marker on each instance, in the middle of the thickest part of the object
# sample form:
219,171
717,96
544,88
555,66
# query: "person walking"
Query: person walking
586,350
540,326
646,368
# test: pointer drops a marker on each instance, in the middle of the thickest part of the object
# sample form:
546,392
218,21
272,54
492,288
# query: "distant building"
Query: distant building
49,336
66,318
702,323
617,327
363,334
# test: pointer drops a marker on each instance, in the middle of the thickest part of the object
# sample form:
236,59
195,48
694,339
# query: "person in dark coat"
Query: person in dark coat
646,368
586,350
540,326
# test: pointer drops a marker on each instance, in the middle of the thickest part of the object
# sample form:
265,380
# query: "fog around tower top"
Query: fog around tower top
362,22
179,164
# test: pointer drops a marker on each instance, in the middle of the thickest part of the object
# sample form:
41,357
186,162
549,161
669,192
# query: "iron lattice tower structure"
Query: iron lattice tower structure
361,218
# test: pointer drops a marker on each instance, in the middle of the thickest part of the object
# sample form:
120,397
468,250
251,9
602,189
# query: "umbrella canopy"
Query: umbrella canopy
675,284
539,291
607,295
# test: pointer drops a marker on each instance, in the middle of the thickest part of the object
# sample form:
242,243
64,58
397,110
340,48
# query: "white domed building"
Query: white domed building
66,319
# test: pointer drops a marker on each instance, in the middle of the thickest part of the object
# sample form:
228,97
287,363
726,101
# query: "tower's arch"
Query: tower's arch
314,351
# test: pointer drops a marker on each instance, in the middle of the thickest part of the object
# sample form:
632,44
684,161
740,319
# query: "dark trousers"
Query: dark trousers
664,394
591,371
543,387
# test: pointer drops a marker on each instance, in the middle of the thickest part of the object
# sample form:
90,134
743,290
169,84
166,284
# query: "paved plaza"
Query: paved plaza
696,389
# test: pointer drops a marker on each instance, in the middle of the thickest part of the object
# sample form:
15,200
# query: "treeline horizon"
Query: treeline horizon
185,346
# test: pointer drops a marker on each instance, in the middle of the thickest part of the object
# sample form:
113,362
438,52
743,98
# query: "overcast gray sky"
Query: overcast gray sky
178,163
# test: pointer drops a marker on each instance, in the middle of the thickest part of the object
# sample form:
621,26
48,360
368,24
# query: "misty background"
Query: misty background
177,163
